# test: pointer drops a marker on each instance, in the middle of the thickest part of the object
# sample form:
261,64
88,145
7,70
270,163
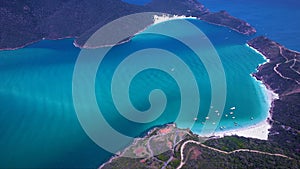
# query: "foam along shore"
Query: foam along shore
258,52
258,131
261,129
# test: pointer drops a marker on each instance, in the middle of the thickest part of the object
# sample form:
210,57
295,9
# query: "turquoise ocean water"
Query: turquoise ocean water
39,126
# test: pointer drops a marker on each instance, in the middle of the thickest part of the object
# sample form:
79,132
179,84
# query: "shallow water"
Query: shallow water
39,126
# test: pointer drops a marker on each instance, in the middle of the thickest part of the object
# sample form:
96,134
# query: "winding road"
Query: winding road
182,162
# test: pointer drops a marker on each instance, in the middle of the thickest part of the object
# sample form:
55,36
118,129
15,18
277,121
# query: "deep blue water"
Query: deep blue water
276,19
137,2
39,126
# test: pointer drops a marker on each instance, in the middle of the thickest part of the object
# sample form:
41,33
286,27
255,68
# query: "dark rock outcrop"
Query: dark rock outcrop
281,74
223,18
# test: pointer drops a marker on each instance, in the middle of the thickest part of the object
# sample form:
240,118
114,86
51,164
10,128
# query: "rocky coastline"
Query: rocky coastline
281,74
28,22
284,133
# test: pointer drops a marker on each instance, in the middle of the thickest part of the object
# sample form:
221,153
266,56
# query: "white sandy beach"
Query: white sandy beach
261,129
163,18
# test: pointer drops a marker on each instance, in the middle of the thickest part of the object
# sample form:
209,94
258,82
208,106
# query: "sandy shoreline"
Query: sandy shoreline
257,131
261,129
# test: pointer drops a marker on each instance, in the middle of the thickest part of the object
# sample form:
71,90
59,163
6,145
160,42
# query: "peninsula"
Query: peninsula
281,74
29,21
183,149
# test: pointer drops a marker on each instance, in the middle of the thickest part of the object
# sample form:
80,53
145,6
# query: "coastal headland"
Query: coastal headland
281,145
78,19
27,22
280,74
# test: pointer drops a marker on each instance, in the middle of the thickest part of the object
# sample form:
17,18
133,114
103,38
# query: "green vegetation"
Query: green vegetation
212,159
234,142
175,163
198,156
163,157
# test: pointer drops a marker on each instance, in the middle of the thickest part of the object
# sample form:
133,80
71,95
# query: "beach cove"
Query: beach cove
37,100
